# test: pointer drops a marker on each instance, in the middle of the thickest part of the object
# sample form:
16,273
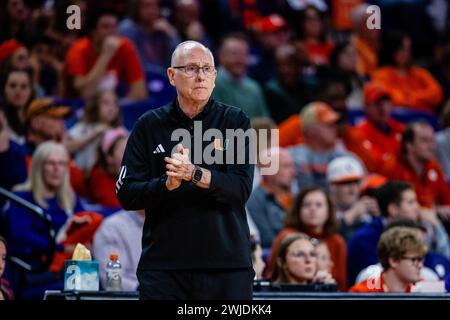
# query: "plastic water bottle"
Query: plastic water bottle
113,273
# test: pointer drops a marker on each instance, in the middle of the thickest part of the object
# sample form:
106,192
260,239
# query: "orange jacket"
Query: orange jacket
416,89
431,188
381,149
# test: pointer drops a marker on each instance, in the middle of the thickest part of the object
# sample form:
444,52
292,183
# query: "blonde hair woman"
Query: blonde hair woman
48,187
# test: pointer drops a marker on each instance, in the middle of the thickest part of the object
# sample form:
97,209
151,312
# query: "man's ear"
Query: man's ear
171,76
393,263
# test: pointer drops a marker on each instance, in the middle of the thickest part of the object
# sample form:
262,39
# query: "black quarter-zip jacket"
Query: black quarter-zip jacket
189,227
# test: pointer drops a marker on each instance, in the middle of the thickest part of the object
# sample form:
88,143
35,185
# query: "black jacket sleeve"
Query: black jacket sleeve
235,185
136,189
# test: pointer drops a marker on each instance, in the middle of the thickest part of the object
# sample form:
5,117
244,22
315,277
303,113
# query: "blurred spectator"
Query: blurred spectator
232,84
120,233
381,134
436,266
13,54
104,175
154,37
103,60
268,202
10,153
296,262
320,147
333,91
396,199
312,213
257,259
344,176
47,69
269,33
365,41
288,92
5,291
186,19
15,21
45,121
416,164
409,86
17,90
47,187
263,128
441,70
443,142
343,62
324,261
102,112
402,253
312,35
62,37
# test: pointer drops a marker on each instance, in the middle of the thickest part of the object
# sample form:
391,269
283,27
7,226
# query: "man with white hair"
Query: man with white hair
196,240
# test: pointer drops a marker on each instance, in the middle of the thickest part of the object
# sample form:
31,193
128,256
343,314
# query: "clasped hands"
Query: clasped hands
179,168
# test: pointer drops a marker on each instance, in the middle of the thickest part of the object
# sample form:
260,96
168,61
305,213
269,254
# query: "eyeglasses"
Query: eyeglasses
303,255
61,163
415,260
192,70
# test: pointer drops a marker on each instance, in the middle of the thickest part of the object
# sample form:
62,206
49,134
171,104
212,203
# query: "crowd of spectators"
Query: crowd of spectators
363,116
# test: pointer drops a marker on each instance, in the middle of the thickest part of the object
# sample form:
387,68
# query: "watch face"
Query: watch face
197,175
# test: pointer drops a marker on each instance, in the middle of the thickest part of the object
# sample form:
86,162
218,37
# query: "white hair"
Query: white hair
186,46
35,182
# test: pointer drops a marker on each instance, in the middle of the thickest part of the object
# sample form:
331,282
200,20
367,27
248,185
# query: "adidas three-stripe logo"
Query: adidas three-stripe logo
159,149
122,174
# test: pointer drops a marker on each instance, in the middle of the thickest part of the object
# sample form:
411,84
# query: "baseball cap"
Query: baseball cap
271,23
374,92
318,112
344,169
8,48
48,107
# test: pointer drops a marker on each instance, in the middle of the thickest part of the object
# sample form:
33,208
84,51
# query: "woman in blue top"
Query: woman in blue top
47,186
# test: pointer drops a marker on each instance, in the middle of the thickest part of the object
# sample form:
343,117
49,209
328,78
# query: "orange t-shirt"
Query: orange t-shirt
81,57
381,149
431,188
374,285
336,246
416,89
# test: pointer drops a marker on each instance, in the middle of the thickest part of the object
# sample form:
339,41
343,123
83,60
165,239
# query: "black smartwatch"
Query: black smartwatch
197,175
